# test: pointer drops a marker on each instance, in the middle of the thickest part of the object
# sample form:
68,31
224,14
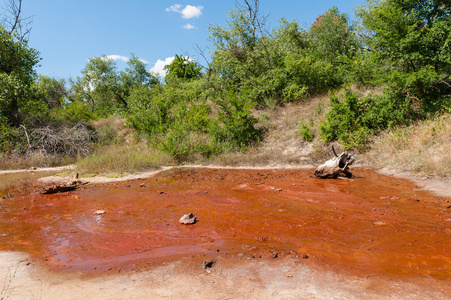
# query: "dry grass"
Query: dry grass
423,148
123,159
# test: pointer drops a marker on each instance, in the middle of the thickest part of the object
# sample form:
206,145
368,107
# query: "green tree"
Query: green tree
136,74
17,74
108,90
182,67
101,86
412,40
51,91
332,36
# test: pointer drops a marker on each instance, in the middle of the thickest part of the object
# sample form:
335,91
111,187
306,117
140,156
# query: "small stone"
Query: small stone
379,223
188,219
208,264
99,212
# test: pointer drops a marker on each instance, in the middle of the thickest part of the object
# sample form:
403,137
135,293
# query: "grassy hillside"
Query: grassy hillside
422,147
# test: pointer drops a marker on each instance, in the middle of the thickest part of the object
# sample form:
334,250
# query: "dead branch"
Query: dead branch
61,140
16,21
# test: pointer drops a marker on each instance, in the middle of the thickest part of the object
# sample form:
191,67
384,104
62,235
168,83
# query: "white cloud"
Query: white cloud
188,26
192,11
174,8
123,58
188,12
117,57
158,68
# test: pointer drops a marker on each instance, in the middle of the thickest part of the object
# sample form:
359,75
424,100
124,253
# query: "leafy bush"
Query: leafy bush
352,119
235,126
186,134
148,110
306,132
10,139
73,112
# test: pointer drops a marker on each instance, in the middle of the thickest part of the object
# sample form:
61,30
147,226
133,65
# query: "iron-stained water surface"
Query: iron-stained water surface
371,223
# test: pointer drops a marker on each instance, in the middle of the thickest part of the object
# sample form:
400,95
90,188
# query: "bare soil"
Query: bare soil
261,233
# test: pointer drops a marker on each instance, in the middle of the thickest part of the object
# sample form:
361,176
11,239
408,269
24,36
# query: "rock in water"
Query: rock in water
188,219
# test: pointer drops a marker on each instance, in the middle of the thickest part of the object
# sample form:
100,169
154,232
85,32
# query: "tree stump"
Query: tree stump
333,167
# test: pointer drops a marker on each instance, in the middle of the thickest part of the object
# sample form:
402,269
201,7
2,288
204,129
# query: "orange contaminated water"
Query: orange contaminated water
370,224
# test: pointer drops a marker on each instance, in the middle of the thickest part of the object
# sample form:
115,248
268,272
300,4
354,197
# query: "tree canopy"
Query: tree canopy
17,74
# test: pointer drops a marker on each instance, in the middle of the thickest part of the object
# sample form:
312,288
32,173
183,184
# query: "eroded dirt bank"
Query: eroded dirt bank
280,231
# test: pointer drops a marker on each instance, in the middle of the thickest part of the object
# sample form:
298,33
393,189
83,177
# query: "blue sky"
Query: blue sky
68,32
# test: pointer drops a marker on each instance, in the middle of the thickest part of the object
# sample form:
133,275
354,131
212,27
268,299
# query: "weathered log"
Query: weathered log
59,189
333,167
66,187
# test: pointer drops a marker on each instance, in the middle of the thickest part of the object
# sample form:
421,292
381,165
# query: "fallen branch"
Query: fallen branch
66,187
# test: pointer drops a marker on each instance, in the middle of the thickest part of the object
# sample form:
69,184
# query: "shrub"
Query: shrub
235,125
351,119
73,112
305,132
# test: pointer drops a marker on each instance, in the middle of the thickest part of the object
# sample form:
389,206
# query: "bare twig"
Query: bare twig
333,149
26,134
16,21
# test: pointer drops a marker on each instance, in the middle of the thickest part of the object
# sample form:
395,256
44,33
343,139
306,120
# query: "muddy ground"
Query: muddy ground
263,234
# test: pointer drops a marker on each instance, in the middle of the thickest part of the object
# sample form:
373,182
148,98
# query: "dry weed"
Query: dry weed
424,148
120,159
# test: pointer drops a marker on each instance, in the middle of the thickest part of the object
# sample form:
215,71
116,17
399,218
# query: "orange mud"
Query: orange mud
371,224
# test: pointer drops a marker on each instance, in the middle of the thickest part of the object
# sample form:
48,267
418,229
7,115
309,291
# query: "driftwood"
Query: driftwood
66,187
59,188
333,167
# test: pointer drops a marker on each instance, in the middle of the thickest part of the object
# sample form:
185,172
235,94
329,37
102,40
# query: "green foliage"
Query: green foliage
403,45
331,35
100,86
351,119
9,138
412,40
51,91
187,133
17,62
235,125
306,132
149,111
107,90
290,65
187,129
74,112
310,74
136,74
182,68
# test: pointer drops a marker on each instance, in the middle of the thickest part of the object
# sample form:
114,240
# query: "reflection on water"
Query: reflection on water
19,181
